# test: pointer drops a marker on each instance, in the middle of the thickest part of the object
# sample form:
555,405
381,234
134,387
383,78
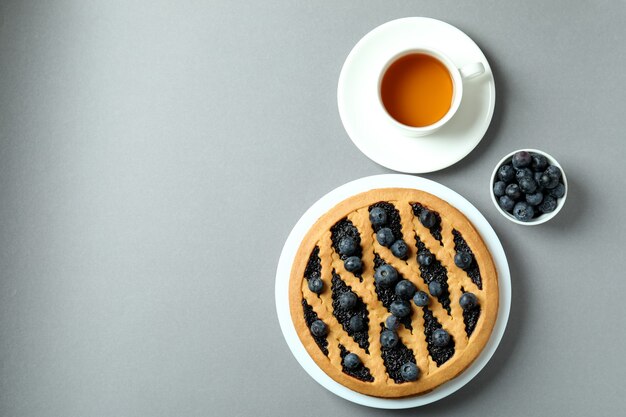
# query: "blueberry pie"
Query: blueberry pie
393,292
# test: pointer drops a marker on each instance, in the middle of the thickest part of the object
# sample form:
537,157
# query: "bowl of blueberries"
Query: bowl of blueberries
528,187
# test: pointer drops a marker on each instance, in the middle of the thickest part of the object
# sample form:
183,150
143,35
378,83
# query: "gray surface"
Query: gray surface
155,155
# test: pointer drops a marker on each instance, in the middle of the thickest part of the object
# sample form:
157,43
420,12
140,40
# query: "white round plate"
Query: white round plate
364,120
326,203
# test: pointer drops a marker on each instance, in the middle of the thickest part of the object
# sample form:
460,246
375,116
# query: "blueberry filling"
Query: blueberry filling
470,318
393,219
314,265
434,272
309,317
472,271
436,229
387,295
361,372
440,354
395,357
344,315
345,229
471,313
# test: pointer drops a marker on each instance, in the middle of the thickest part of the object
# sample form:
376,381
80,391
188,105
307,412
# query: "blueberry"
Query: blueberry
351,361
539,162
409,371
463,259
421,299
558,191
400,249
468,301
347,300
347,246
385,237
378,216
498,188
428,218
506,203
523,172
356,323
319,329
316,285
392,323
548,181
513,191
521,159
435,288
548,205
534,199
554,171
523,211
537,177
353,264
386,275
400,308
506,173
527,185
440,338
389,339
405,289
425,258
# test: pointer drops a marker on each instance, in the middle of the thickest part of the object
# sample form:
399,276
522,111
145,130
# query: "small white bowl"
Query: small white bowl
542,218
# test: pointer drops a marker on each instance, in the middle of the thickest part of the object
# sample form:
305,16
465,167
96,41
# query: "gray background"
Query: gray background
155,155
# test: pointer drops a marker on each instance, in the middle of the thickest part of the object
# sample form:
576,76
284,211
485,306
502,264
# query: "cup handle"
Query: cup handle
470,71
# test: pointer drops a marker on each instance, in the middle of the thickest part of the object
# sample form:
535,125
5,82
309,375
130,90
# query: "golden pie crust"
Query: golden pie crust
356,210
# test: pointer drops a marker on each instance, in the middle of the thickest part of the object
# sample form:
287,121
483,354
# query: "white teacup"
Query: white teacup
457,75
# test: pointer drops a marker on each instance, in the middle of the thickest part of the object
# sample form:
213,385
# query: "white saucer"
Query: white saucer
362,118
326,203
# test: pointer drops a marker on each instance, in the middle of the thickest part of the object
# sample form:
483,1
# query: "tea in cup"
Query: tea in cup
420,89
